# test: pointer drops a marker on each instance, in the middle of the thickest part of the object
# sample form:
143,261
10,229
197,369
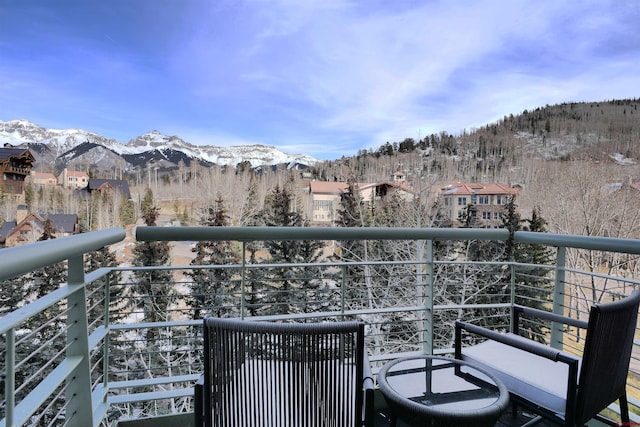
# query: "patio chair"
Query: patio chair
556,385
284,374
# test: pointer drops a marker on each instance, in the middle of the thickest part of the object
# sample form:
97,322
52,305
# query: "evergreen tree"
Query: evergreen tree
254,280
159,351
153,288
28,194
119,298
288,286
211,289
251,210
351,214
533,283
147,201
12,294
536,284
127,213
351,207
512,221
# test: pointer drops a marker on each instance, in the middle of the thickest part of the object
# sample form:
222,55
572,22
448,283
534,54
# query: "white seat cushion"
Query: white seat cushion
532,377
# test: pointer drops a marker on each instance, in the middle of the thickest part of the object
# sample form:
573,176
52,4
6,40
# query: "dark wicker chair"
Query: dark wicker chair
284,374
558,386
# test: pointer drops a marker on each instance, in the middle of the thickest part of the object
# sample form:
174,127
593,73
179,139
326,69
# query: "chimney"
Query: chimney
21,213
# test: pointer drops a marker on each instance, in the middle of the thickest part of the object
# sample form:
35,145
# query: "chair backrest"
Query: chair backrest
606,357
284,374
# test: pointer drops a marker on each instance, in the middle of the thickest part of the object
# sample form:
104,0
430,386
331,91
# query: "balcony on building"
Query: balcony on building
122,345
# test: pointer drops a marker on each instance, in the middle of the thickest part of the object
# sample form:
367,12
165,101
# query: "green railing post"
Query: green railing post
428,299
107,337
10,377
343,291
558,297
512,299
243,283
420,285
79,407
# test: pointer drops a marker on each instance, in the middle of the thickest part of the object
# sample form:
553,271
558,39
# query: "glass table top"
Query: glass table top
439,383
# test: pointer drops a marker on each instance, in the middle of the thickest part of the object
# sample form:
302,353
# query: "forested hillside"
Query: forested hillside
573,131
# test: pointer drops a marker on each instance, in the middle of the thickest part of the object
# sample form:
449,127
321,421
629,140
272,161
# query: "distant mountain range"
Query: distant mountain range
76,146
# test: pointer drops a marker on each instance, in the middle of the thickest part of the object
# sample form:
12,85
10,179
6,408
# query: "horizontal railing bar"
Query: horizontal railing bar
150,395
13,319
25,409
319,314
176,234
98,274
607,244
603,276
314,315
23,259
152,381
150,325
470,306
97,335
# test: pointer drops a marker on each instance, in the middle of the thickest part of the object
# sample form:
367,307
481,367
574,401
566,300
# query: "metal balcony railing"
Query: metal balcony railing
124,342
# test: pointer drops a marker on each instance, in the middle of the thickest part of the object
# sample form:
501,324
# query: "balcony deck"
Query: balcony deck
104,373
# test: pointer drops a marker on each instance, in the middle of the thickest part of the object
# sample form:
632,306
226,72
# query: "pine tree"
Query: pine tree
351,207
119,298
533,285
351,214
12,294
159,351
147,201
536,285
254,280
212,289
288,286
153,288
127,213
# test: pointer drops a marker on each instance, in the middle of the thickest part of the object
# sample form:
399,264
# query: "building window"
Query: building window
323,205
462,201
483,200
501,200
486,215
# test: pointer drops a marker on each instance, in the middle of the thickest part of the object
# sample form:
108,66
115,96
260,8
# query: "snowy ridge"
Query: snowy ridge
62,146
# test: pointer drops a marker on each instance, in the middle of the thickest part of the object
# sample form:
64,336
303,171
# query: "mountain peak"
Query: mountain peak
69,145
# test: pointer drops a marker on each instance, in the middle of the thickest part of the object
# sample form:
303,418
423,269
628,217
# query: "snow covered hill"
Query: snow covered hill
61,147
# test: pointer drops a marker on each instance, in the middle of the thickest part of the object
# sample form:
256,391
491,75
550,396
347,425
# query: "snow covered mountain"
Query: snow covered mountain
62,147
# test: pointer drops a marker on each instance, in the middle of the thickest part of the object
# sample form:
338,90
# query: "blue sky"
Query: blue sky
325,78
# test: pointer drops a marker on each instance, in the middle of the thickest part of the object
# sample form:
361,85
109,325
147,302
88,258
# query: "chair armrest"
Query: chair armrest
545,315
515,341
198,402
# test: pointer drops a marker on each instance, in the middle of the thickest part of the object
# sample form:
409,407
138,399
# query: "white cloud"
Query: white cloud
351,74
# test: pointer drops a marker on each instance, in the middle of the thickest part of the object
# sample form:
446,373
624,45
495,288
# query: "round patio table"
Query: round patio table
439,391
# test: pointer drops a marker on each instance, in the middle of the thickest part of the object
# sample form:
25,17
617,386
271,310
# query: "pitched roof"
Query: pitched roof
6,153
6,229
119,184
78,174
43,175
328,187
64,223
467,189
399,185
